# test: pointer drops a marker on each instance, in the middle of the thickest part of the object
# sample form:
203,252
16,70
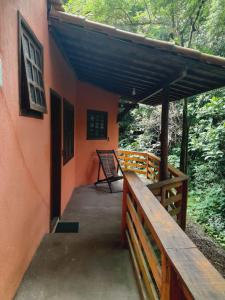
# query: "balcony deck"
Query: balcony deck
88,265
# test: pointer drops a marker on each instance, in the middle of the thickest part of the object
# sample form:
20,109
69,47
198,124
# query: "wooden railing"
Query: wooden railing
172,193
167,263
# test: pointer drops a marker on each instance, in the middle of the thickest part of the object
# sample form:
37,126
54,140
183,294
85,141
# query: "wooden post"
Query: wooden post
184,142
165,292
164,135
124,211
183,212
147,171
171,289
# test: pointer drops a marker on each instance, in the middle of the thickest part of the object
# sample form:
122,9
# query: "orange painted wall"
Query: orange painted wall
25,144
90,97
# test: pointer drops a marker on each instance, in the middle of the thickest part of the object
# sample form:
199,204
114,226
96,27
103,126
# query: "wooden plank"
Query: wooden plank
175,211
199,277
134,158
151,171
141,261
134,171
154,211
156,192
135,165
151,157
167,182
132,152
154,157
165,291
175,185
172,199
148,249
137,270
153,165
175,172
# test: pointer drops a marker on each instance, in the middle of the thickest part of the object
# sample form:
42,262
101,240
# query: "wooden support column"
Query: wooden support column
184,142
164,135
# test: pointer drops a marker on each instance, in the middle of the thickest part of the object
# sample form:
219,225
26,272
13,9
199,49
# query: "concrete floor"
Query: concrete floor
87,265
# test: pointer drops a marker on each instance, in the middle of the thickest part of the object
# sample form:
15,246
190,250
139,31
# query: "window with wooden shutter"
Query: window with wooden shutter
32,91
68,131
97,122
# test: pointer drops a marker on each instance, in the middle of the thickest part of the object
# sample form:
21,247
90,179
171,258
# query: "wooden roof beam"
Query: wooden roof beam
160,87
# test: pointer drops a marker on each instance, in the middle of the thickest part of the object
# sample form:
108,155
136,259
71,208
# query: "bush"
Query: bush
207,207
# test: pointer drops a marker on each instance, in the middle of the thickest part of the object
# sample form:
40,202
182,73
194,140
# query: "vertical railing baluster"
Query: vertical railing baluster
147,158
124,211
171,289
165,292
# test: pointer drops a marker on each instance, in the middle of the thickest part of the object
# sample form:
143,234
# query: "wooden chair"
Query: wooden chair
107,161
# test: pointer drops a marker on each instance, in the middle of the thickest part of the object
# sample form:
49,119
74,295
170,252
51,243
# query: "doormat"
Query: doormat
67,227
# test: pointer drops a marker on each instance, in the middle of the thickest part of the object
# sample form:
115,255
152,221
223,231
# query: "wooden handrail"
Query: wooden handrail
174,171
182,271
172,193
167,182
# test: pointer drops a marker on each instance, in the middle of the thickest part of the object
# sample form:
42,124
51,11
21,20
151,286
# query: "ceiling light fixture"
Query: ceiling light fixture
133,92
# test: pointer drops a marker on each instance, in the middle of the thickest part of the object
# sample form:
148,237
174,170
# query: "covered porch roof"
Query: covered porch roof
135,67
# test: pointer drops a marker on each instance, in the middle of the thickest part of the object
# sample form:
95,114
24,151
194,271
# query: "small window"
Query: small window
68,131
32,93
97,125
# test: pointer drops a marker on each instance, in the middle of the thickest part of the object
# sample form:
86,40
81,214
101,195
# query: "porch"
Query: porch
95,263
90,264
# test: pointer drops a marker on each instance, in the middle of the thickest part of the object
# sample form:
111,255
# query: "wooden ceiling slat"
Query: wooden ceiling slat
98,54
180,87
204,80
114,65
110,87
118,83
192,84
111,75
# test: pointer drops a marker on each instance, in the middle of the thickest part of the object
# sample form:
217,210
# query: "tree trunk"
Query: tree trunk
184,141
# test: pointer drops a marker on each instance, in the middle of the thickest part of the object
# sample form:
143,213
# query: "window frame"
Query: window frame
68,105
27,106
105,114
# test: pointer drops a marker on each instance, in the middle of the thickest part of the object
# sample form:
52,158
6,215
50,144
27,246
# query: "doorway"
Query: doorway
56,142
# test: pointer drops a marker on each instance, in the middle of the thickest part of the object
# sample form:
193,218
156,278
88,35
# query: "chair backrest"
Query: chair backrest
107,159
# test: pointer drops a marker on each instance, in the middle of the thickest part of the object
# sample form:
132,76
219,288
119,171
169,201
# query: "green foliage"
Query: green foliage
162,19
207,207
215,27
207,135
207,163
